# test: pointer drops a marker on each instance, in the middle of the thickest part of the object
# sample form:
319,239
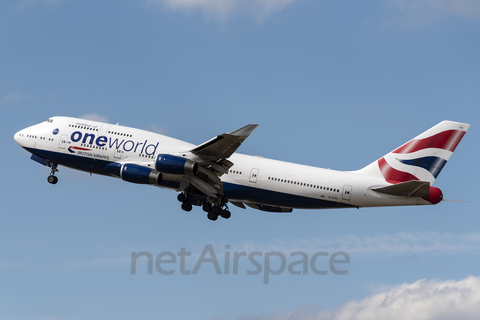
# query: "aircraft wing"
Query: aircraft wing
223,146
212,160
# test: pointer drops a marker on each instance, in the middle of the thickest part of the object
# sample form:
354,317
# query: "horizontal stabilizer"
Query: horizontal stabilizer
413,188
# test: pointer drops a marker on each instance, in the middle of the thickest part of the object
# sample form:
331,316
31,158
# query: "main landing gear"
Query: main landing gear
215,209
213,212
187,206
51,178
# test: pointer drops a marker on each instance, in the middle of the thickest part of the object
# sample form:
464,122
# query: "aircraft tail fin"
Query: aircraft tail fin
421,158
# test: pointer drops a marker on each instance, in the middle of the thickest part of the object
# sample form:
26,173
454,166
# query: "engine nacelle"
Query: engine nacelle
167,163
138,174
135,173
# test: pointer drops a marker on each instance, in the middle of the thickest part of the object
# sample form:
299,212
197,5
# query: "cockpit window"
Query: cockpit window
50,120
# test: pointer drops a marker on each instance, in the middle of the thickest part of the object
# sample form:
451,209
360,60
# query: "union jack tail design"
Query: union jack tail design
421,158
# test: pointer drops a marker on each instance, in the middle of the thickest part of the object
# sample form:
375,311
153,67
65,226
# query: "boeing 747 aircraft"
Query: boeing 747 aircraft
211,175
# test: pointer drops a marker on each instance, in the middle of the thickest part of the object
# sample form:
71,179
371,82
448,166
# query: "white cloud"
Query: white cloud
27,4
222,9
421,12
422,300
94,117
157,129
16,98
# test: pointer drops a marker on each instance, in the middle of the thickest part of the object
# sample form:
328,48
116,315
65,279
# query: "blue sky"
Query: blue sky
332,84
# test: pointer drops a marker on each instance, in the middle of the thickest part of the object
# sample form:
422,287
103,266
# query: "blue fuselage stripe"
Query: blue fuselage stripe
230,190
274,198
74,161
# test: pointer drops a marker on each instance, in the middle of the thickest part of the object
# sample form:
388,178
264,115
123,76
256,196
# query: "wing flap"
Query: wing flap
210,174
203,186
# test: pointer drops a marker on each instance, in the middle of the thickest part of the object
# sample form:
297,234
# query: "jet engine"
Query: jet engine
167,163
134,173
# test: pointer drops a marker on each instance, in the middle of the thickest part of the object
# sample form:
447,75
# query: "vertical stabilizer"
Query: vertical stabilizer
421,158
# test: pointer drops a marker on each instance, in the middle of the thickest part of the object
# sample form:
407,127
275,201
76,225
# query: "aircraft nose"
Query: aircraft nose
18,137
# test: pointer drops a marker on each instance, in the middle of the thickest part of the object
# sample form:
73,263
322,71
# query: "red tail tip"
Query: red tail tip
436,195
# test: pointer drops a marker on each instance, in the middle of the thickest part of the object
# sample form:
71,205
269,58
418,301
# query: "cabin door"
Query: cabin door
347,190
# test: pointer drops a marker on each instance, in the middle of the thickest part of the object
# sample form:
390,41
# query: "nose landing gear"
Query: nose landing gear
51,178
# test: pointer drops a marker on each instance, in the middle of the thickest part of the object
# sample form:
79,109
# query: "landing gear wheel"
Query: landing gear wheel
212,216
187,206
52,179
207,207
182,197
225,214
216,210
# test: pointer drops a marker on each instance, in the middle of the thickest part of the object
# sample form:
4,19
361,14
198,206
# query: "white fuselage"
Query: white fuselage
89,146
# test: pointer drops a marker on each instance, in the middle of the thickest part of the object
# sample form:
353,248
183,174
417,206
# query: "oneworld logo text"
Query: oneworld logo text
116,143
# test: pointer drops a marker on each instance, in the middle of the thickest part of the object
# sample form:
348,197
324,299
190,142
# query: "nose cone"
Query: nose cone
17,137
20,138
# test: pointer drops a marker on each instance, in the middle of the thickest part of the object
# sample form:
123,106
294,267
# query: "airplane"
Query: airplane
211,174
